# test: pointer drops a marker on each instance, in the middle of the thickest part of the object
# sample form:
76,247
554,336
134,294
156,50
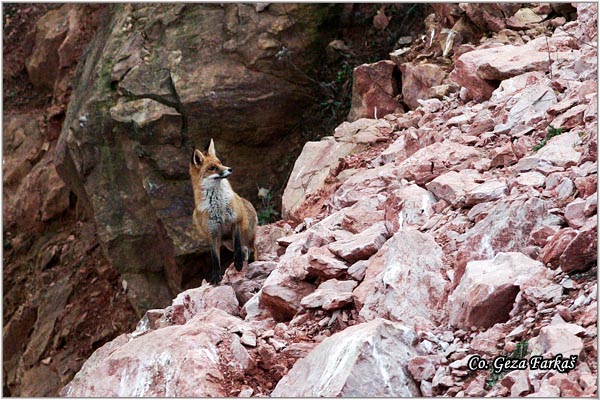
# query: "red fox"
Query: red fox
219,212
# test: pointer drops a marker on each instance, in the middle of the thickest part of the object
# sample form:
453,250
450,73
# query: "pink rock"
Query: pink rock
562,106
374,89
429,162
591,205
487,191
179,360
564,189
574,213
330,295
281,294
358,269
407,144
506,227
362,245
400,283
517,382
453,186
323,263
586,185
503,156
570,119
560,339
410,205
486,342
310,170
568,388
362,184
581,253
362,215
267,248
546,390
194,301
539,236
423,368
475,69
487,290
338,365
417,79
533,179
558,151
555,247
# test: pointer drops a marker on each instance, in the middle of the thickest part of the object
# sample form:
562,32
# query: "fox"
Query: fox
219,212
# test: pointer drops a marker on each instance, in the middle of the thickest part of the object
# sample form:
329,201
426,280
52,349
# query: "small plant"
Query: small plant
267,212
552,131
520,352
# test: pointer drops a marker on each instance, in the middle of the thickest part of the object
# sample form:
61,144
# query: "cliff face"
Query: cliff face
465,227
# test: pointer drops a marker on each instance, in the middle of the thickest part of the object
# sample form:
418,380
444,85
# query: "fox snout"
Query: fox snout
225,172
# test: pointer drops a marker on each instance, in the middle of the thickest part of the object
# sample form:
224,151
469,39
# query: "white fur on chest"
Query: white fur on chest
217,199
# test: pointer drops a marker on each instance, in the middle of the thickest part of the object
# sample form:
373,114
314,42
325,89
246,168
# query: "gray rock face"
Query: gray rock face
159,79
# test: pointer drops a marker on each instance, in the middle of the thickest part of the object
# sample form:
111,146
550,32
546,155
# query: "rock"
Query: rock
417,79
453,186
194,301
570,119
517,382
357,270
43,64
555,247
489,16
362,245
558,151
503,156
580,254
267,248
423,368
162,123
560,339
533,179
539,236
574,213
410,205
330,295
362,215
521,19
407,144
374,89
429,162
487,290
183,357
310,170
487,191
367,359
281,295
591,205
586,185
401,283
323,263
506,228
98,156
476,69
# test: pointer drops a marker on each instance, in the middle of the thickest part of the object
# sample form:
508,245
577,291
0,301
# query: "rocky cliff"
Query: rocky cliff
415,243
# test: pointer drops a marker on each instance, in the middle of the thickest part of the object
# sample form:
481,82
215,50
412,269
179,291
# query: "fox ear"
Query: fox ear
197,158
211,149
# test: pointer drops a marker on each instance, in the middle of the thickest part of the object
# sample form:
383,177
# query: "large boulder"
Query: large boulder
365,360
157,80
417,80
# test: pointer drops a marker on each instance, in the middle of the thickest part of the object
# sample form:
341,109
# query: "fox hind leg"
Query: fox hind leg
215,257
238,252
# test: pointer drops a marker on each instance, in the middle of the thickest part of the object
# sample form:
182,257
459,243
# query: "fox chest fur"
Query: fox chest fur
216,204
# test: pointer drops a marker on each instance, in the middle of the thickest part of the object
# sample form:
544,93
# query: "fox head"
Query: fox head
206,169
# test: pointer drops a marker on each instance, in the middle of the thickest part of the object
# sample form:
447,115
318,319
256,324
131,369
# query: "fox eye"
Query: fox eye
212,168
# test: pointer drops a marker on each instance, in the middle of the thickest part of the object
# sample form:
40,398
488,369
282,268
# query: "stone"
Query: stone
558,151
185,357
411,205
521,20
581,253
574,213
591,205
517,382
570,119
330,295
310,170
539,236
194,301
488,191
533,179
423,368
503,156
367,359
374,89
453,186
323,263
586,185
560,339
505,228
358,269
401,284
362,245
432,161
475,69
362,215
417,79
487,290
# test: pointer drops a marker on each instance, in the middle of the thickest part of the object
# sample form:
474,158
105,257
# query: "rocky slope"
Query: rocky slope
414,241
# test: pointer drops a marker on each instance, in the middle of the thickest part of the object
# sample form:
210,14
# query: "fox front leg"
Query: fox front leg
238,253
215,258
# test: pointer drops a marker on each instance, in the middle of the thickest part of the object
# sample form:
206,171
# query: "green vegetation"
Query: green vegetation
520,352
552,131
267,212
